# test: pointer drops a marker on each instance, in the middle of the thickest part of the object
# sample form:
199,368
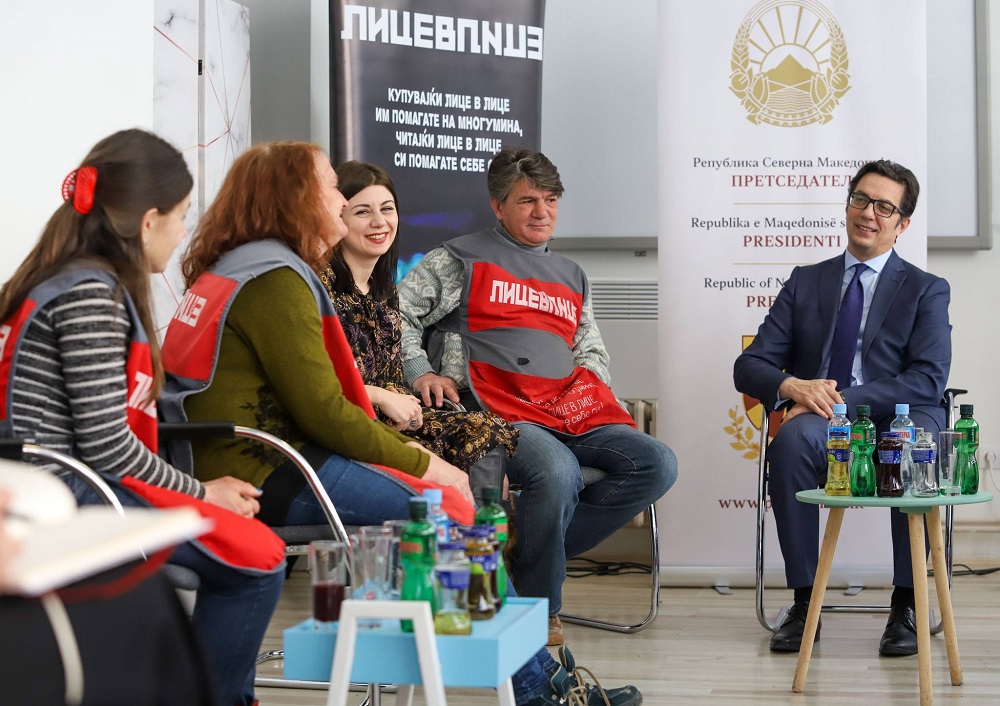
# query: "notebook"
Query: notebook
61,543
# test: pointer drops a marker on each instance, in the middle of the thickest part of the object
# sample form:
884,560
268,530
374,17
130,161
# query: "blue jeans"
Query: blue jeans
232,611
362,494
532,679
559,518
796,461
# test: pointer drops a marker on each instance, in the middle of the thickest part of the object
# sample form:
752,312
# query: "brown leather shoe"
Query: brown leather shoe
555,632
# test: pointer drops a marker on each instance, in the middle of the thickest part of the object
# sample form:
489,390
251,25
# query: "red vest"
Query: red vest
235,540
138,366
517,322
190,348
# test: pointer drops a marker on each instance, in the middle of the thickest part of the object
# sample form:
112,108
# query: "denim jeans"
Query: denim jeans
231,613
796,461
362,494
559,518
532,679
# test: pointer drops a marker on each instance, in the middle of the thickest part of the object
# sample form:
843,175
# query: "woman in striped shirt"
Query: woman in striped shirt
80,372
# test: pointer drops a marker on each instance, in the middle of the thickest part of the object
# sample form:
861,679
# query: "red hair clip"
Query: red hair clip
79,185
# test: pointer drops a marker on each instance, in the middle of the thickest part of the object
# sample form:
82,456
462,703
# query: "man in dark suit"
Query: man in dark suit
806,357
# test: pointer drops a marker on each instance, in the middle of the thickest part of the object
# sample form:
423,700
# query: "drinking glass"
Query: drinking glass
328,569
372,562
948,470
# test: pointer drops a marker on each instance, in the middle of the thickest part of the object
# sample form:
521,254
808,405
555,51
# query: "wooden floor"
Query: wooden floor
705,648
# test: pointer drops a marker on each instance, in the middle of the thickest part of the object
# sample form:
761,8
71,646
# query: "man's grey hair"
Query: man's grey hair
512,164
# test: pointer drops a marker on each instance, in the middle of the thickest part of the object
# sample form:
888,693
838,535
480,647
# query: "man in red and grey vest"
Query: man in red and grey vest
495,320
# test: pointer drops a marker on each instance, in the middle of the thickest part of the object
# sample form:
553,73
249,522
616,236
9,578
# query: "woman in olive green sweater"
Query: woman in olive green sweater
270,229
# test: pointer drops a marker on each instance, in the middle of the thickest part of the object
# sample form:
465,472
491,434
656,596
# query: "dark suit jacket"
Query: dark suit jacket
905,353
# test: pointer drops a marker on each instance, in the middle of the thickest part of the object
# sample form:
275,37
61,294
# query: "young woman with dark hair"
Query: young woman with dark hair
80,372
361,281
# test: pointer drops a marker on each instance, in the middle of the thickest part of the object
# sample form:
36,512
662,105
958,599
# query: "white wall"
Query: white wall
71,73
976,333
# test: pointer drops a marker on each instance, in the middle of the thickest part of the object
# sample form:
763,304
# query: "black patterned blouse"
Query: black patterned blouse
373,329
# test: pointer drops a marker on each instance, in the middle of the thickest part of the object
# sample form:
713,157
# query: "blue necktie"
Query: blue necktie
845,335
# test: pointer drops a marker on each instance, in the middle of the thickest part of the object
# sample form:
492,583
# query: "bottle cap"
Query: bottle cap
863,410
491,495
902,409
433,495
840,409
418,508
965,409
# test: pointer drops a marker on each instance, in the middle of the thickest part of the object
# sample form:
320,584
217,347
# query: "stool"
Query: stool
419,613
486,659
916,509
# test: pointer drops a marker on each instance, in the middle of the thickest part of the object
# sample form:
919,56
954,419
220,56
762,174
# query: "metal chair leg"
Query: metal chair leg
654,595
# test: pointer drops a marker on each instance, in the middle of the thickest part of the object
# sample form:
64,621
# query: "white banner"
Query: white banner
766,111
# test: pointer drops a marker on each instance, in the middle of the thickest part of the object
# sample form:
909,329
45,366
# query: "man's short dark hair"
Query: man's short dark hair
512,164
899,174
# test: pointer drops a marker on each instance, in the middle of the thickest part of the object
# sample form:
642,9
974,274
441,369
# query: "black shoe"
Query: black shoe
900,636
788,637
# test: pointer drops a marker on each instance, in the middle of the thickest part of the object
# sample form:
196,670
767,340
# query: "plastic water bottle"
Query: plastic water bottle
906,431
967,462
493,515
451,616
888,475
838,449
417,548
924,458
863,442
438,517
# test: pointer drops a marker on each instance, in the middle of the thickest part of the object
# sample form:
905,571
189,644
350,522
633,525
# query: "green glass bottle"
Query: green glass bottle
493,515
967,462
863,442
416,553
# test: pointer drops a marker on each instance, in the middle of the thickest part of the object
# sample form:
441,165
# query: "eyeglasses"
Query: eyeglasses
881,208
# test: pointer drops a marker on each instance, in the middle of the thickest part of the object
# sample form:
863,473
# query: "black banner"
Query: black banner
429,90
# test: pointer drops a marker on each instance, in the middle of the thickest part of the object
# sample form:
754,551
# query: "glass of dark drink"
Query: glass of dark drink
328,567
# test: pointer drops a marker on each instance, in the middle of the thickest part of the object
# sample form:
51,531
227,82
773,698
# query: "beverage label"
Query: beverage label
486,562
453,577
891,456
924,456
838,433
411,548
838,455
863,436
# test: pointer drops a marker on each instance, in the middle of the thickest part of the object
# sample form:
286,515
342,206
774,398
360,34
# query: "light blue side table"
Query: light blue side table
485,659
917,509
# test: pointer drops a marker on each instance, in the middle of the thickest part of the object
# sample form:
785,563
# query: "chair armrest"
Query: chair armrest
16,450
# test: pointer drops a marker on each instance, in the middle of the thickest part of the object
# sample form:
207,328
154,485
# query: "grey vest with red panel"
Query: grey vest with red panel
519,315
